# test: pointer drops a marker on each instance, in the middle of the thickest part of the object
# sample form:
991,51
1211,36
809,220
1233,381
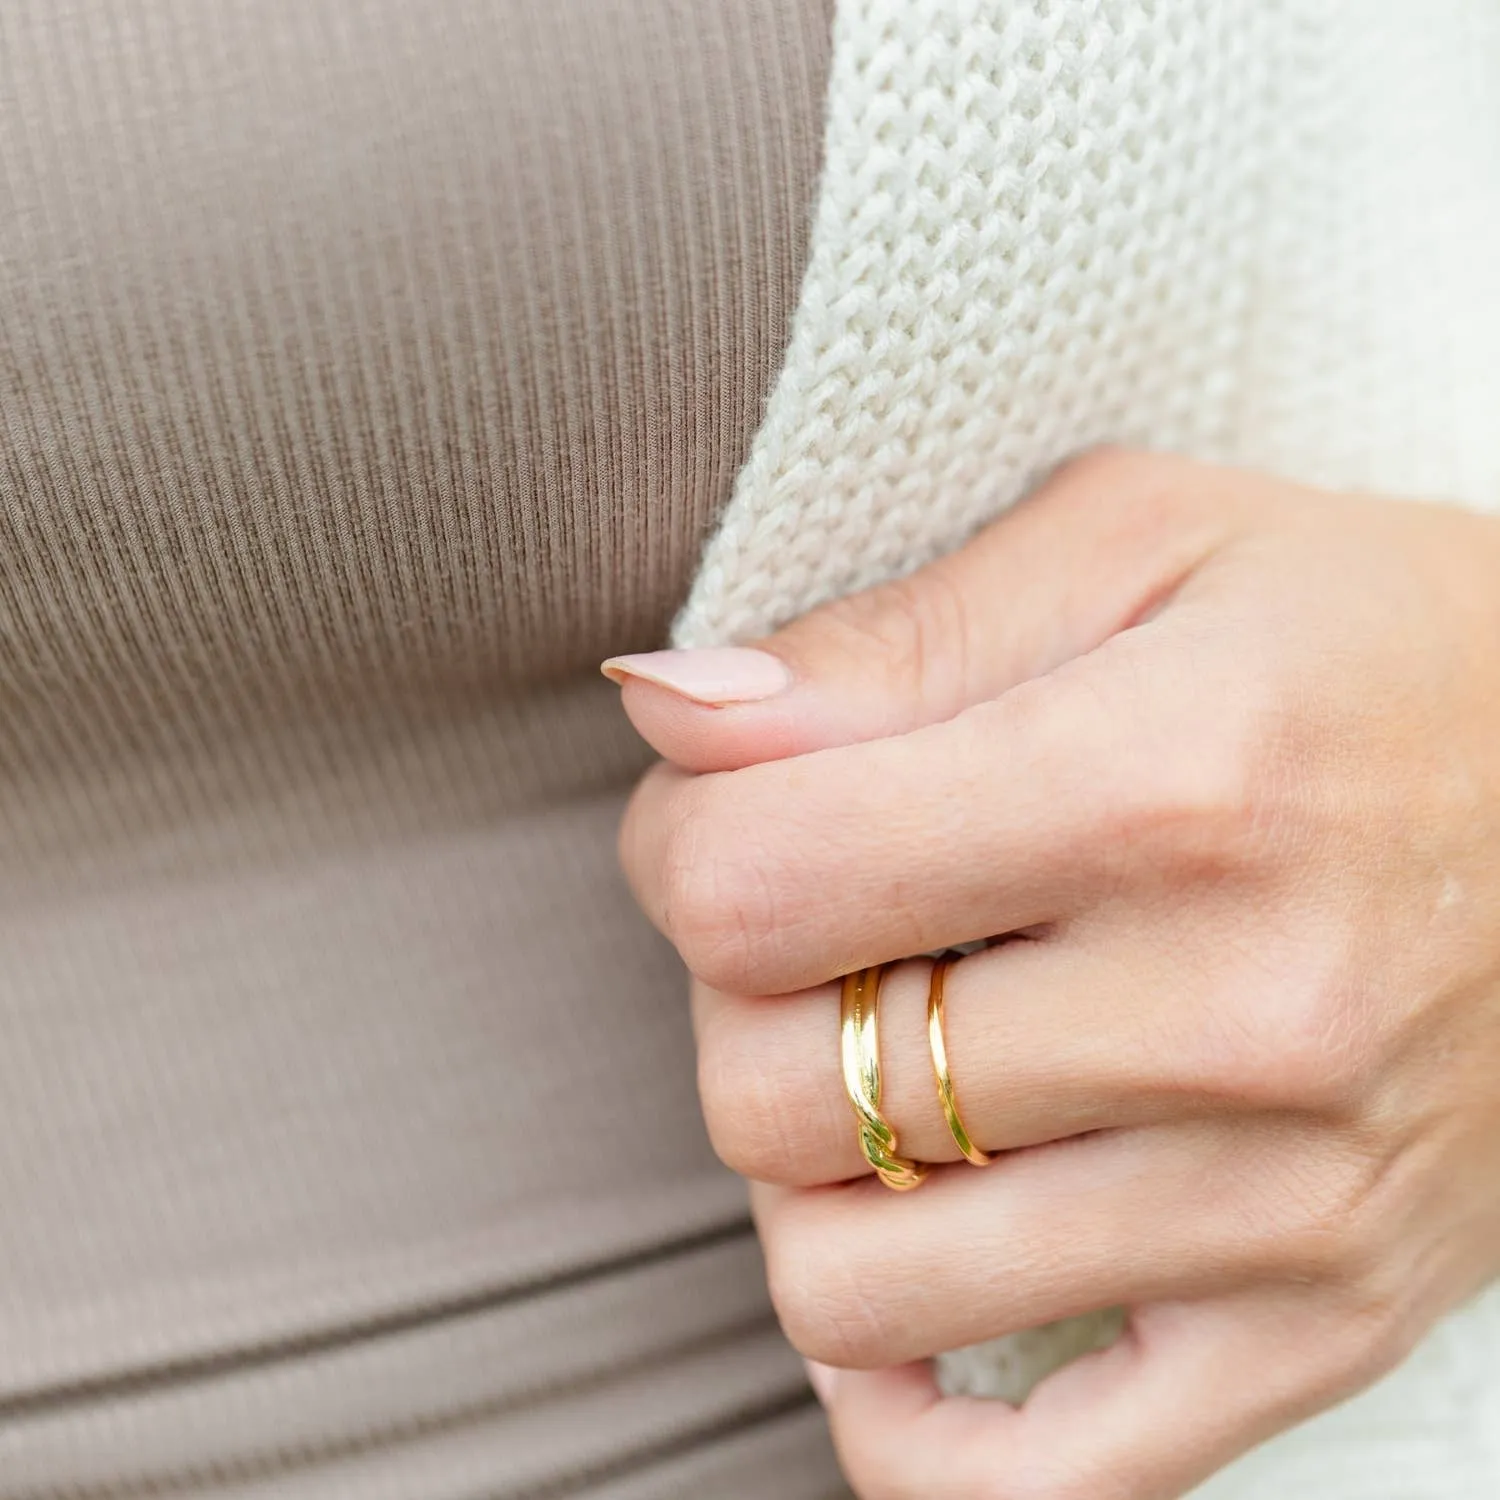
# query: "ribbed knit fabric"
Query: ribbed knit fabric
368,371
1266,231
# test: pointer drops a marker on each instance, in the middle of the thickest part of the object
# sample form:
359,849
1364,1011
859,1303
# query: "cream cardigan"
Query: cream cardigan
1264,231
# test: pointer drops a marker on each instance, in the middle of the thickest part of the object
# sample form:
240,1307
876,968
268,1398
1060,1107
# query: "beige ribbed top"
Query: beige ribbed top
368,370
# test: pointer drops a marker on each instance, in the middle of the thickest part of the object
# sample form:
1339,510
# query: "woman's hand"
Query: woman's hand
1225,754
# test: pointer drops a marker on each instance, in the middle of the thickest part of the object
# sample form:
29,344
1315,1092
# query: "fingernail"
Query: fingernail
716,675
823,1378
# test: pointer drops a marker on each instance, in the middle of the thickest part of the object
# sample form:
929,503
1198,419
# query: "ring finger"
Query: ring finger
1044,1040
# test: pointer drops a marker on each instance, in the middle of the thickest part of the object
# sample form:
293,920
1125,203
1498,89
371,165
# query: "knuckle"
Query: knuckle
751,1121
1319,1066
824,1310
1202,800
1172,792
912,630
718,903
1204,796
1331,1226
1296,1044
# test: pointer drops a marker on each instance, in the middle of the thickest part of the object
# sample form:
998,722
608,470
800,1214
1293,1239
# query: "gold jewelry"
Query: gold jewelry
859,1051
963,1140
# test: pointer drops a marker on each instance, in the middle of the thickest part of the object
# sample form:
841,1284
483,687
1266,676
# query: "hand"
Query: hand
1222,756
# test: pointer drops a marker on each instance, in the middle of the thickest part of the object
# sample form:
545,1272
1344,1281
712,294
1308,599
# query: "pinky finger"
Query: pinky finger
1187,1389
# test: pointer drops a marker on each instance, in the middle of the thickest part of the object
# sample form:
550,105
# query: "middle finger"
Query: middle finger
781,875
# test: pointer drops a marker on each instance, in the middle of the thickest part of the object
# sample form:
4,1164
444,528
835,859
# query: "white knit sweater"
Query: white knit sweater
1265,231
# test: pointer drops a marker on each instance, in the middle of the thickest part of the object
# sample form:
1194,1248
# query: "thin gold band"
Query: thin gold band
961,1137
859,1051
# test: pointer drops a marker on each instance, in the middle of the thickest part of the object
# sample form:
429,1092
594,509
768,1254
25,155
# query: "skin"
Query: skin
1220,756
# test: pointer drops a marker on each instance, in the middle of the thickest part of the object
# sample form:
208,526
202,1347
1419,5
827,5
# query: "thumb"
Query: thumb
1098,547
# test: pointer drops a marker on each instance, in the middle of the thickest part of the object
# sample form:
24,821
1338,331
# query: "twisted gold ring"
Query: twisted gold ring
859,1050
961,1137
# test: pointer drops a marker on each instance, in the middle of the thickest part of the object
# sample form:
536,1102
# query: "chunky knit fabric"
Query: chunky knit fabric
1265,231
1260,230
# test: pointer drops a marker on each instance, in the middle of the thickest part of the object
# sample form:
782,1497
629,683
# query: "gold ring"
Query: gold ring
961,1137
859,1051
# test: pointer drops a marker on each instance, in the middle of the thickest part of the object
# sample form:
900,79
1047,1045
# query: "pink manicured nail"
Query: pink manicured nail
823,1379
716,676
